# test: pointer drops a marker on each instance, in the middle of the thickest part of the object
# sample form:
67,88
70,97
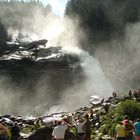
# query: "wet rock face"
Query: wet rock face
27,62
33,73
34,56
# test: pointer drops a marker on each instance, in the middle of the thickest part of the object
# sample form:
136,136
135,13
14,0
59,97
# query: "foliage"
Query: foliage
130,108
111,131
108,128
127,107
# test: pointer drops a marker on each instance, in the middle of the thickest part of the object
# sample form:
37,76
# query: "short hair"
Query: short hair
65,119
86,116
125,117
138,119
59,122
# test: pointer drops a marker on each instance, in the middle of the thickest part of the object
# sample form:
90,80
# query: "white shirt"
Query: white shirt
79,127
59,131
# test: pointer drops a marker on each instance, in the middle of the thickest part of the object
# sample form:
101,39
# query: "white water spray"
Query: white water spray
96,81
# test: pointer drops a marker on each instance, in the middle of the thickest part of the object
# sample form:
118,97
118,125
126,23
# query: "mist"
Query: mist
107,44
111,29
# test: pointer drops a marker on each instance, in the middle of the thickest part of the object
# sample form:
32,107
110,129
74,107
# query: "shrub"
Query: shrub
130,108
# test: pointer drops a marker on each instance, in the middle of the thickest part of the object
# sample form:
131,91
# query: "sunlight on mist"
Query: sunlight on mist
53,30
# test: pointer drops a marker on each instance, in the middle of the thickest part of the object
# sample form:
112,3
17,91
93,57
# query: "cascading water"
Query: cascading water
96,81
45,87
93,82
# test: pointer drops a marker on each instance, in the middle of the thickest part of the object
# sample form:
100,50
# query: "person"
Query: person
106,107
59,131
129,127
15,132
3,132
130,93
120,131
80,131
71,131
95,119
87,128
37,124
137,129
114,94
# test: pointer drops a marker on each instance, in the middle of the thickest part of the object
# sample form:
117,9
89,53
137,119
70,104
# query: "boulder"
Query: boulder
44,133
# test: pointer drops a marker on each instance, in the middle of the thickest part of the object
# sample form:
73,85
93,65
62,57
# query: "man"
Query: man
87,127
59,131
80,131
15,132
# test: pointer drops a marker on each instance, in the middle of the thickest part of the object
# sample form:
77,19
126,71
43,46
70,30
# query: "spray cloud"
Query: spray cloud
47,90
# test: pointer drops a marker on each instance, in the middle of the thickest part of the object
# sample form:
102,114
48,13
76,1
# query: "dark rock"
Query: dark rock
15,56
42,134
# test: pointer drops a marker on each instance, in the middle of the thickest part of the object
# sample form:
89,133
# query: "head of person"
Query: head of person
138,120
15,123
86,116
126,117
65,120
59,122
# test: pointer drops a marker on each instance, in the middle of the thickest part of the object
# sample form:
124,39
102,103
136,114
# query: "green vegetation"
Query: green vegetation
127,107
130,108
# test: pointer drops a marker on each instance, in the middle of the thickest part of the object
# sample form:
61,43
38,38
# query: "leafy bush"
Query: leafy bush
111,131
130,108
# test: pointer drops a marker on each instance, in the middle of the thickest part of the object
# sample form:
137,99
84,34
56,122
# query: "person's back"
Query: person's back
59,131
15,132
137,129
120,131
87,128
79,126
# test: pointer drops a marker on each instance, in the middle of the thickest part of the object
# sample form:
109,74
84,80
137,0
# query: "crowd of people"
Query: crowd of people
79,129
66,130
124,130
127,129
79,126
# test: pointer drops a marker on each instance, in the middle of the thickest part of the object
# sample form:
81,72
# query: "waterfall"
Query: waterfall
96,82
